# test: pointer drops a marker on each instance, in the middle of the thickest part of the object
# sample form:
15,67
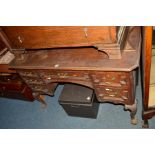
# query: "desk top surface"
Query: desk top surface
76,59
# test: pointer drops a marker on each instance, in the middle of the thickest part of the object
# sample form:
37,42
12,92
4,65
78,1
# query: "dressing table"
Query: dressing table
102,58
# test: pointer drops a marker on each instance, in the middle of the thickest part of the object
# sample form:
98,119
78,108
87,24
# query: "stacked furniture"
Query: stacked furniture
11,84
102,58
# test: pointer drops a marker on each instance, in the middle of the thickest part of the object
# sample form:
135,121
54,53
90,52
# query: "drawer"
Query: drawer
49,90
39,88
33,80
112,94
117,79
28,73
72,75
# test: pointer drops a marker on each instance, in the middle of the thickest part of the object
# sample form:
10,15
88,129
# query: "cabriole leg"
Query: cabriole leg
133,111
41,99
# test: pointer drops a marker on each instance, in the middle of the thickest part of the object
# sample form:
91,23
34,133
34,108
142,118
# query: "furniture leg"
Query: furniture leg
133,111
145,123
41,99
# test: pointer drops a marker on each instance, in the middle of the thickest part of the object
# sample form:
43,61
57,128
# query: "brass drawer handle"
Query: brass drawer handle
96,81
124,97
113,78
62,75
107,89
123,82
108,83
112,95
48,78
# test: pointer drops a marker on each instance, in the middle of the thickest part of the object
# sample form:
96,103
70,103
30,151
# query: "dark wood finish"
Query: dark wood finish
83,66
115,90
2,45
4,68
108,39
5,40
12,86
147,52
77,58
46,56
33,37
148,112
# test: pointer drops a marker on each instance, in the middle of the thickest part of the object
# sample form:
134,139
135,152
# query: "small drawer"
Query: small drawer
28,73
116,79
39,88
72,75
30,80
112,94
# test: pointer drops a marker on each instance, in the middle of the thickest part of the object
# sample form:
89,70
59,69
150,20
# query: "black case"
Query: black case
79,101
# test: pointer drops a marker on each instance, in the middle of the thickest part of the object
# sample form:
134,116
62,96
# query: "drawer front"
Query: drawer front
28,73
117,79
39,88
36,82
44,89
33,80
48,76
112,94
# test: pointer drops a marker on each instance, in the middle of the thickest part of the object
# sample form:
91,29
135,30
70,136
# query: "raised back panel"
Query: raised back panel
35,37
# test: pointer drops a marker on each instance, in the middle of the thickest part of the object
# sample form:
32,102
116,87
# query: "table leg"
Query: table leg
133,111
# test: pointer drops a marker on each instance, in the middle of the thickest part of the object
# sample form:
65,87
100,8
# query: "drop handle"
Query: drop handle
124,97
96,80
20,39
112,95
48,78
123,82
